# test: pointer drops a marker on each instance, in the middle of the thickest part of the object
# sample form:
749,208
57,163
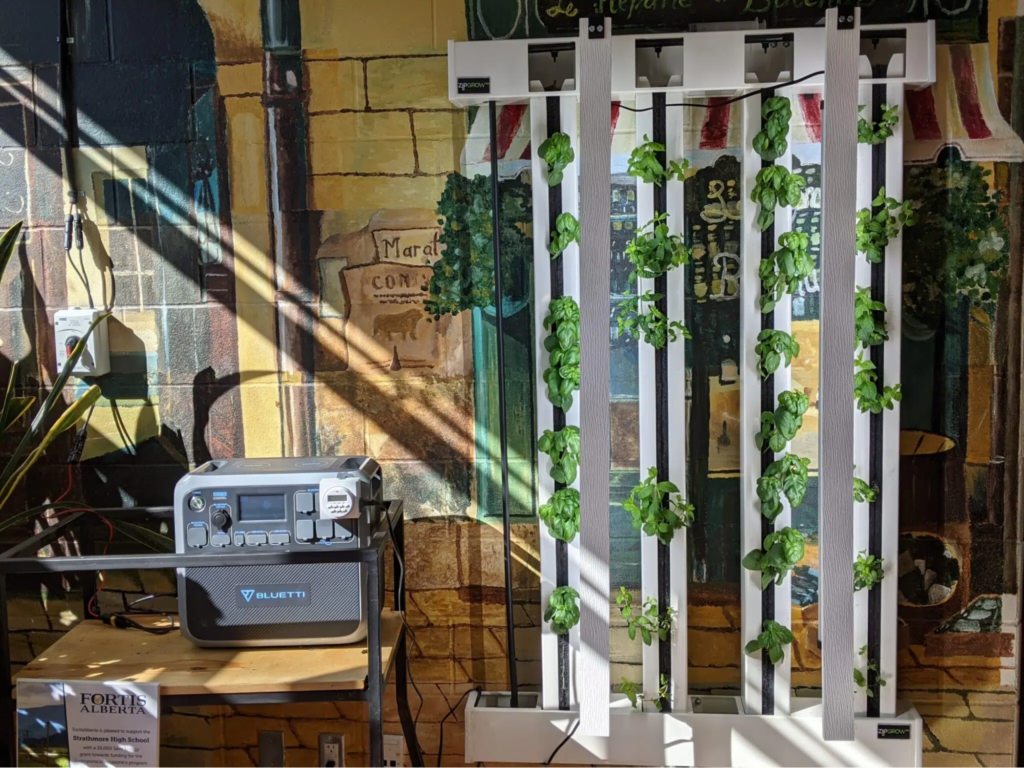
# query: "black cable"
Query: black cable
124,621
146,598
564,741
69,120
401,576
122,429
80,247
419,709
401,584
451,711
68,111
78,444
730,101
69,229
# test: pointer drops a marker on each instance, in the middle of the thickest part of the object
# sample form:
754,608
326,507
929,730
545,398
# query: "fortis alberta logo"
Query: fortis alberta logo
113,704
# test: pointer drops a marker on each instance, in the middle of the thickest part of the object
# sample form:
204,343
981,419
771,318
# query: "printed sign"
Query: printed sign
83,724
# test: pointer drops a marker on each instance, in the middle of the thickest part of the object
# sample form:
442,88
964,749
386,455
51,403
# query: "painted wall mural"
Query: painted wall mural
267,196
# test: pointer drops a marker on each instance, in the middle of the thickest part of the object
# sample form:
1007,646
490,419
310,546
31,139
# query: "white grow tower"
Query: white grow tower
764,724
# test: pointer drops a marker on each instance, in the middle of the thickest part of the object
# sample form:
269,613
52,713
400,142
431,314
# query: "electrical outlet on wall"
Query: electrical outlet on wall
332,750
394,750
69,326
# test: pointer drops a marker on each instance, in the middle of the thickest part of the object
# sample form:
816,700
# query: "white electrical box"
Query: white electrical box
69,326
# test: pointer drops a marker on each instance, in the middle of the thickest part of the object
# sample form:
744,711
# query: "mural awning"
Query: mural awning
959,110
513,133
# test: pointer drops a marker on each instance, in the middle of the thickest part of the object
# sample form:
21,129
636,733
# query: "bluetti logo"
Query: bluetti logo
273,595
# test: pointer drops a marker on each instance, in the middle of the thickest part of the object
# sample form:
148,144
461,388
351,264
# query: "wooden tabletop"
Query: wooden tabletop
98,652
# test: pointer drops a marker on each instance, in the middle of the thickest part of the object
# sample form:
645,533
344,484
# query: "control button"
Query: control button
304,529
197,503
304,502
220,539
195,535
239,539
280,537
221,519
252,539
325,529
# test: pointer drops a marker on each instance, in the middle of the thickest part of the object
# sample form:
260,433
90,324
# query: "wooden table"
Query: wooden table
97,652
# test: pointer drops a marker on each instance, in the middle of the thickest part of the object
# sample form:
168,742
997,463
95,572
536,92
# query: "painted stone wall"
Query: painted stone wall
267,301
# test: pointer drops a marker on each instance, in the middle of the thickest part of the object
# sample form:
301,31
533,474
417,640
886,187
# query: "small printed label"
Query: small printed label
894,731
272,595
474,85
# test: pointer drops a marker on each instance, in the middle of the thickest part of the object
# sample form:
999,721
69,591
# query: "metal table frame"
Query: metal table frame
21,559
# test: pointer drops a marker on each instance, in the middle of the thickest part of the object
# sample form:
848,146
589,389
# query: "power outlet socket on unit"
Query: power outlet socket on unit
332,750
394,750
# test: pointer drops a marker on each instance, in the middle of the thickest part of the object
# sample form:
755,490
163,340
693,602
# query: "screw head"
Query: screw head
600,27
591,27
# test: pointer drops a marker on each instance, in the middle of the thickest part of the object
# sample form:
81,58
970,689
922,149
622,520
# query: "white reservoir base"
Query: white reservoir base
704,737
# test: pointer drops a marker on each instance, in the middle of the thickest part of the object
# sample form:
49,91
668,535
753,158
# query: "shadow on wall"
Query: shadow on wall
151,170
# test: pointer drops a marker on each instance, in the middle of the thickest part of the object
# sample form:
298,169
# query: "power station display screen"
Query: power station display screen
261,507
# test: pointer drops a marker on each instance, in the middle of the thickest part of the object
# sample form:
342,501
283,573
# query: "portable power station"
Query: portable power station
270,505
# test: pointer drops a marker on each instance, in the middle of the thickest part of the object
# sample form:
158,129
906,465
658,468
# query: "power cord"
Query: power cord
78,445
401,590
401,572
122,430
564,741
730,101
451,711
73,237
123,619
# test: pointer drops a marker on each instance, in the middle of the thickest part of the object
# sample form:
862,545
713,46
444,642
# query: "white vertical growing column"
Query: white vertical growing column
750,407
862,423
679,574
876,419
648,395
663,403
782,317
890,523
775,260
554,277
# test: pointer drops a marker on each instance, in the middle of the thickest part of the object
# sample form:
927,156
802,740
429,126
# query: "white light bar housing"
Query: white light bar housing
516,69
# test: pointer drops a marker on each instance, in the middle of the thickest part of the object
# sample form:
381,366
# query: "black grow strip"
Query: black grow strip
878,161
767,457
492,113
661,397
554,109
